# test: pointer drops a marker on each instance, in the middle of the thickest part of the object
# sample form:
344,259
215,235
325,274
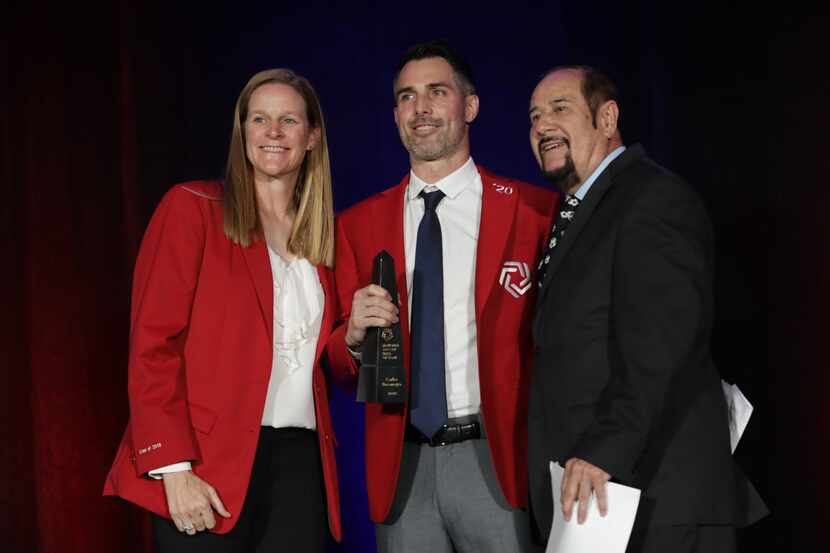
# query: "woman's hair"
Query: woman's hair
312,234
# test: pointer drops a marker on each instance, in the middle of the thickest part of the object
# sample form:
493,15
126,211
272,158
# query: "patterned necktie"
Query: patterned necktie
560,223
428,408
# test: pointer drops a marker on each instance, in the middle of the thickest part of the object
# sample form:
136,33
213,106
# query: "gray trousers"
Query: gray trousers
449,500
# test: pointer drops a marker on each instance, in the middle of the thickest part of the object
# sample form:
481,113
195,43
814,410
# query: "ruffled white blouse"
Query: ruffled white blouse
298,313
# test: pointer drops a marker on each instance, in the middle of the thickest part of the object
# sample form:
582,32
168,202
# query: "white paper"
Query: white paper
608,534
739,410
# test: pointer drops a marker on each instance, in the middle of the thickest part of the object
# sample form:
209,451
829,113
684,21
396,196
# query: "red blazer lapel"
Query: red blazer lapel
259,267
388,216
329,302
498,205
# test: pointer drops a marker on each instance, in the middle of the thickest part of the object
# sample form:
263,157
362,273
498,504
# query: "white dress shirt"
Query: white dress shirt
298,314
459,213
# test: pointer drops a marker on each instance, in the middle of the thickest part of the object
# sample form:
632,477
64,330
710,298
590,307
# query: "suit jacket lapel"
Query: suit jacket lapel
324,274
259,267
497,209
583,213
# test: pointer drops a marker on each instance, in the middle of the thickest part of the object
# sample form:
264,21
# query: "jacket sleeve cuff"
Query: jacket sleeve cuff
614,455
343,366
167,469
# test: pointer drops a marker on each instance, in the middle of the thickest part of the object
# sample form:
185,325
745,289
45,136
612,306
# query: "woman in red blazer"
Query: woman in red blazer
230,442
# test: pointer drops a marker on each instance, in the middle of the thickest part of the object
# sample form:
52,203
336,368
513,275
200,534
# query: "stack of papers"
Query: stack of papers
739,410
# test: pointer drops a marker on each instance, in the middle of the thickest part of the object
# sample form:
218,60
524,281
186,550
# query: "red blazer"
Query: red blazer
200,358
515,219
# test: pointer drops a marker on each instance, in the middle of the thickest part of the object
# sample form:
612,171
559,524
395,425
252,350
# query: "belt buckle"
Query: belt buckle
434,441
452,433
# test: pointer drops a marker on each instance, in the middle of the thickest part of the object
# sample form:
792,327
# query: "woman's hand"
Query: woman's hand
192,501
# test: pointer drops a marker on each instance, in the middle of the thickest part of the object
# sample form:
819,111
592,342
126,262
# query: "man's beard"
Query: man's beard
434,147
564,178
430,150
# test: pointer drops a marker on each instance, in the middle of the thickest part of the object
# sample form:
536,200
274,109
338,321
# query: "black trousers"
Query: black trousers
683,539
284,509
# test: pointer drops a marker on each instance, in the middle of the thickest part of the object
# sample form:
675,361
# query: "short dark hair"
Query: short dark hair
597,87
438,49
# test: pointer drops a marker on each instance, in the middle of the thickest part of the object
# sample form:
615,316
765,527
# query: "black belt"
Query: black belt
447,434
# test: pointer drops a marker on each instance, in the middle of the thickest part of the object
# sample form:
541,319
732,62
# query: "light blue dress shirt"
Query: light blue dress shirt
583,189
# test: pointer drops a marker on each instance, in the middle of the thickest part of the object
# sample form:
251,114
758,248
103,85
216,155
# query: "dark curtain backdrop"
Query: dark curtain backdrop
106,105
71,221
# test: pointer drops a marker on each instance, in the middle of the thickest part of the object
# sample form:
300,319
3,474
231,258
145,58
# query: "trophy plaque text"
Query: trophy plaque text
381,377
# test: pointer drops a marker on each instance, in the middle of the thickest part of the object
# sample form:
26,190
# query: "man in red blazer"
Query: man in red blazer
461,484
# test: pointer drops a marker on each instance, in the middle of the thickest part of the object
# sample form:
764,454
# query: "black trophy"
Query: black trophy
381,377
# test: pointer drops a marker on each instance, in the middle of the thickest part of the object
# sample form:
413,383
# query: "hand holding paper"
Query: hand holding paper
607,534
581,479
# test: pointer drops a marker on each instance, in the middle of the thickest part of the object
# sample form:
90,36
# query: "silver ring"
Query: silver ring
187,528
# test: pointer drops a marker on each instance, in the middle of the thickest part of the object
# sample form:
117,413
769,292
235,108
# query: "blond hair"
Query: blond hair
312,234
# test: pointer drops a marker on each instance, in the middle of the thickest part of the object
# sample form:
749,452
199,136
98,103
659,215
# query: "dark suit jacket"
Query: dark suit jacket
622,373
515,217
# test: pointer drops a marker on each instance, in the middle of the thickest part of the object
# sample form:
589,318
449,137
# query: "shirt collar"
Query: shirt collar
452,185
583,189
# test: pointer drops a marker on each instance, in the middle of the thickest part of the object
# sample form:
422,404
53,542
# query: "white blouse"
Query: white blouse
298,314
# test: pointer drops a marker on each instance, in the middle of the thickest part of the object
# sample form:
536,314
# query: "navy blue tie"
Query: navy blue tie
428,408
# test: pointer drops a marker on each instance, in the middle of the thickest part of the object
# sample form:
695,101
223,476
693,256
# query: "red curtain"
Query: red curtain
70,225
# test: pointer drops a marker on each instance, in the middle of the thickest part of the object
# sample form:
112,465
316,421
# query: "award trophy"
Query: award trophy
381,377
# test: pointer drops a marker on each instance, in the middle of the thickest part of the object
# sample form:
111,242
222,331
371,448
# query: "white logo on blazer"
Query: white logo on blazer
511,272
503,188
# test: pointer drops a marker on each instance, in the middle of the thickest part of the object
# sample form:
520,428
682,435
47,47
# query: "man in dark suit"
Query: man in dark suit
445,472
623,384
